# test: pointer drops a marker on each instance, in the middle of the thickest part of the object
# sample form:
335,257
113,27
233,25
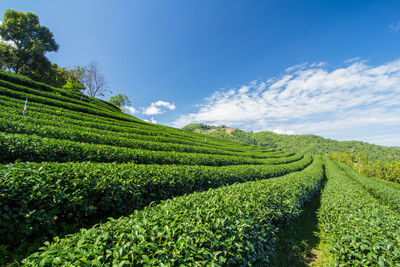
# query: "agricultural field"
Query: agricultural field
83,184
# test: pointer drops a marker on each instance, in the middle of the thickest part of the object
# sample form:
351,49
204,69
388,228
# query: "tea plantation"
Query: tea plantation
83,184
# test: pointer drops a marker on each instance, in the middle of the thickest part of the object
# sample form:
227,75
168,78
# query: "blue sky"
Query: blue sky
330,68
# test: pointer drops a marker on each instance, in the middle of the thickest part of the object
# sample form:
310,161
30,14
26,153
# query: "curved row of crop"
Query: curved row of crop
25,81
52,114
17,79
231,225
40,127
33,148
385,191
355,228
51,95
55,115
34,194
136,126
72,106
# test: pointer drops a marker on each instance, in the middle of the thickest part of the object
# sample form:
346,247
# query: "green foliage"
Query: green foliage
51,116
311,144
39,201
195,126
31,41
62,101
33,148
356,228
387,192
231,225
119,100
34,194
385,170
7,56
75,79
16,123
228,211
74,85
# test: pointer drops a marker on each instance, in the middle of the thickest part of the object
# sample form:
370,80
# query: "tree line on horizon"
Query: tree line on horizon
371,160
23,47
309,143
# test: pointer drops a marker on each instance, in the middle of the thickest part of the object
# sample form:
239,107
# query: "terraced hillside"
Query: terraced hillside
151,194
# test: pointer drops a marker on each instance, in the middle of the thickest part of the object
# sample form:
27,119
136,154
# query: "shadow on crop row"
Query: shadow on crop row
298,239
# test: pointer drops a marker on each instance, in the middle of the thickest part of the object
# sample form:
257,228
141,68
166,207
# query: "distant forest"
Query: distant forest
309,143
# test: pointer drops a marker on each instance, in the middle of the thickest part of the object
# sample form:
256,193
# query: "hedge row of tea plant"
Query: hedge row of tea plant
35,90
231,225
357,229
387,192
33,148
119,125
56,115
40,127
21,80
33,194
49,95
95,122
17,79
58,103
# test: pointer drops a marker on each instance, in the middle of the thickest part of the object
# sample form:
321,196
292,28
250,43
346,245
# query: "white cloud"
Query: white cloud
384,139
155,108
395,27
308,98
131,109
152,120
351,60
280,131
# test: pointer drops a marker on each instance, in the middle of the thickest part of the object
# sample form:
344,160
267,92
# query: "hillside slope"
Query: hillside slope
312,144
72,161
98,187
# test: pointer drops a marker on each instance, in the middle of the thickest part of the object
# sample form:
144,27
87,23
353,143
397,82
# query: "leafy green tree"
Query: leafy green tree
75,79
194,126
73,85
30,41
7,56
119,100
54,75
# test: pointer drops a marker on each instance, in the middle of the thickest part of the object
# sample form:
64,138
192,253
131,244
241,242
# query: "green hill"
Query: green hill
93,186
312,144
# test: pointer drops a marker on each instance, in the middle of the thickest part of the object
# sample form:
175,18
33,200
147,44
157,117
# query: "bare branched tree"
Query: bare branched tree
94,80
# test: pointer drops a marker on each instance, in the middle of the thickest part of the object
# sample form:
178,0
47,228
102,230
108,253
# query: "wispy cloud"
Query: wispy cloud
131,109
152,120
308,98
155,108
395,27
351,60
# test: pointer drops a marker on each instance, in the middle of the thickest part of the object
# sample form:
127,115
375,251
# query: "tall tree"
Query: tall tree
94,80
31,41
7,56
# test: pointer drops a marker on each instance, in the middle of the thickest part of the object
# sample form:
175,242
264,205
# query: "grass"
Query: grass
298,241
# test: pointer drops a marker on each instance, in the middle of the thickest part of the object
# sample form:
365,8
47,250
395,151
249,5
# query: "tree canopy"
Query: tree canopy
28,40
119,100
7,56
